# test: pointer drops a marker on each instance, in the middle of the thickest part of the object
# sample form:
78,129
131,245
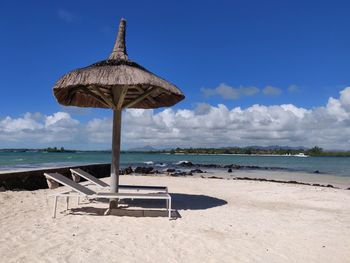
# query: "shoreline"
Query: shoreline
31,179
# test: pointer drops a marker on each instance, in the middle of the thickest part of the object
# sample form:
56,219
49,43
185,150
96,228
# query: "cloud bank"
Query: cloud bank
205,126
231,93
271,91
228,92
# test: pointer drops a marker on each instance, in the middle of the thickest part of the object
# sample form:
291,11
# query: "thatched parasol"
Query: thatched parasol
116,83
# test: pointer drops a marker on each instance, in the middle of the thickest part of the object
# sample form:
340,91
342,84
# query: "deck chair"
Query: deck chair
101,184
79,190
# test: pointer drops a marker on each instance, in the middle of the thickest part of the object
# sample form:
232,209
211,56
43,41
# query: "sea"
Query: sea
336,166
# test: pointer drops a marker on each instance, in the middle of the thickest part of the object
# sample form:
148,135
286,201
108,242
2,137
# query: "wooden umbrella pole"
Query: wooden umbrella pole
117,117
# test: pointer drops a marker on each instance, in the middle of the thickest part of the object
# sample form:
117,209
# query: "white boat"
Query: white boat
301,155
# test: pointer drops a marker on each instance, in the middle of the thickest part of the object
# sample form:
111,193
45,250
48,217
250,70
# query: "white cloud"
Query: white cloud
27,122
228,92
345,98
273,91
206,125
99,131
38,129
60,121
231,93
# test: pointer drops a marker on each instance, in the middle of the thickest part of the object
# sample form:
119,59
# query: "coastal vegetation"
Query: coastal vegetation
275,150
48,149
57,150
314,151
252,150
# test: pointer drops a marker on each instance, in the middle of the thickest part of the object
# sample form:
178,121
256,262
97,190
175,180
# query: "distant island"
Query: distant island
49,150
251,150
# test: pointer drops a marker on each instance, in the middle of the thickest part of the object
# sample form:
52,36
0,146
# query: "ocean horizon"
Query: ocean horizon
334,166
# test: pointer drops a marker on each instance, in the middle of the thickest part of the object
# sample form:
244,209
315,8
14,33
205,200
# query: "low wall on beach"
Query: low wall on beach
35,179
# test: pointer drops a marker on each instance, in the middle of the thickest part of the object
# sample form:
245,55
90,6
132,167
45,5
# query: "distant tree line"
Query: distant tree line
314,151
56,150
49,149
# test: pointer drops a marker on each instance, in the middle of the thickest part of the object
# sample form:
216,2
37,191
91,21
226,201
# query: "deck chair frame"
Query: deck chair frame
94,180
78,190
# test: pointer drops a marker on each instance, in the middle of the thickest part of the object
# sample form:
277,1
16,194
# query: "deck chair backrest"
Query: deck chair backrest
69,183
89,177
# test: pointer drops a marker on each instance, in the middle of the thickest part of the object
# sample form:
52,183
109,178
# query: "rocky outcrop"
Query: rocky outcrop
198,171
128,170
144,170
177,174
185,164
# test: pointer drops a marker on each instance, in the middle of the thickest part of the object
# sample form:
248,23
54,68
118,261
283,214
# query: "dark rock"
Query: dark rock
178,174
316,172
144,170
293,182
128,170
186,164
330,186
229,170
170,170
199,171
181,174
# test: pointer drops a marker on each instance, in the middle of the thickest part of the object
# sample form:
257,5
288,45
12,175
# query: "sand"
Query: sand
220,221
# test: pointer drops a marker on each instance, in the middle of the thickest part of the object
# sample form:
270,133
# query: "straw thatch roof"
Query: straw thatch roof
116,83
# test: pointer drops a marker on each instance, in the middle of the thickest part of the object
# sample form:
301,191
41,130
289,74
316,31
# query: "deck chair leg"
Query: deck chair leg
78,200
54,207
169,208
67,202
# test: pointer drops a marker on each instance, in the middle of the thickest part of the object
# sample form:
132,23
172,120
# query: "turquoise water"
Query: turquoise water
339,166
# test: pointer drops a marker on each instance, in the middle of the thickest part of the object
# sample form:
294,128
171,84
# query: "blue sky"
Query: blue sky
298,49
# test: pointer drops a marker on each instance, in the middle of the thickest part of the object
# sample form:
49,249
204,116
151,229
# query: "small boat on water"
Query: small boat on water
301,155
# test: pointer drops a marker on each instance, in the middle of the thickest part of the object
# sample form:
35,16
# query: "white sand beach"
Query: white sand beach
219,221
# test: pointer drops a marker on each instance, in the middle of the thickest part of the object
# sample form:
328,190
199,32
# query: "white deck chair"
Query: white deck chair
101,184
82,191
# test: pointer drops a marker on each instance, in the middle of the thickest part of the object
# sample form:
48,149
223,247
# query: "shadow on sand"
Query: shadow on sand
154,208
